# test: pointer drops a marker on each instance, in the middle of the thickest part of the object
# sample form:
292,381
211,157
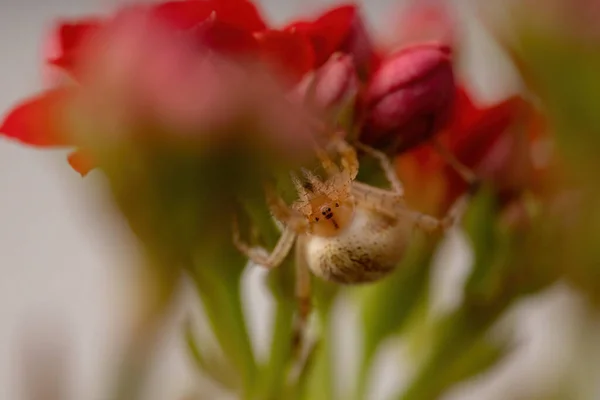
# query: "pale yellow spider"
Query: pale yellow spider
346,231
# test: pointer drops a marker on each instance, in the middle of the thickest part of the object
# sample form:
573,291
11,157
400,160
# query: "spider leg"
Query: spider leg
261,256
326,162
294,223
392,204
384,201
284,213
348,157
386,166
428,223
465,172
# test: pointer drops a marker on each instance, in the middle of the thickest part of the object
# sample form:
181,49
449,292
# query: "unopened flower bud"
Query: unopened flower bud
409,97
331,86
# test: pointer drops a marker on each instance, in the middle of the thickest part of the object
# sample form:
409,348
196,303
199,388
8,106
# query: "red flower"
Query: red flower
139,72
484,140
233,28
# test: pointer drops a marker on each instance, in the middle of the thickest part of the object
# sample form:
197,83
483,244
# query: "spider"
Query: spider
346,231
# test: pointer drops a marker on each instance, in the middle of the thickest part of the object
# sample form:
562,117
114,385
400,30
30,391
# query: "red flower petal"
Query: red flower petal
184,14
474,131
188,14
226,38
242,14
81,161
328,32
289,52
66,40
37,121
476,136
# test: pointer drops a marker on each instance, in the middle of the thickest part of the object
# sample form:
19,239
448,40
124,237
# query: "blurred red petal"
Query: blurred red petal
226,39
186,14
37,121
479,134
483,139
65,42
475,130
358,43
465,111
290,52
239,13
328,32
81,161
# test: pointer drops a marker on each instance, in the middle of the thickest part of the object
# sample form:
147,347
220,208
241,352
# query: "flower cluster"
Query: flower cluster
400,97
189,106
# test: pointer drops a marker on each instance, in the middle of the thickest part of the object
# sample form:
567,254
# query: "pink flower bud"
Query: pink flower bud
409,97
330,86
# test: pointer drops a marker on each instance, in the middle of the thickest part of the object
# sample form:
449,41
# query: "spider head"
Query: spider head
329,218
327,206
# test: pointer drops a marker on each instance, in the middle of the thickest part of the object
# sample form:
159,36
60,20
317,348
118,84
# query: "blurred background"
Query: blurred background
68,262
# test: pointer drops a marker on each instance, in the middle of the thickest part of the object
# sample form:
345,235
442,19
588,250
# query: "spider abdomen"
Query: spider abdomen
366,251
